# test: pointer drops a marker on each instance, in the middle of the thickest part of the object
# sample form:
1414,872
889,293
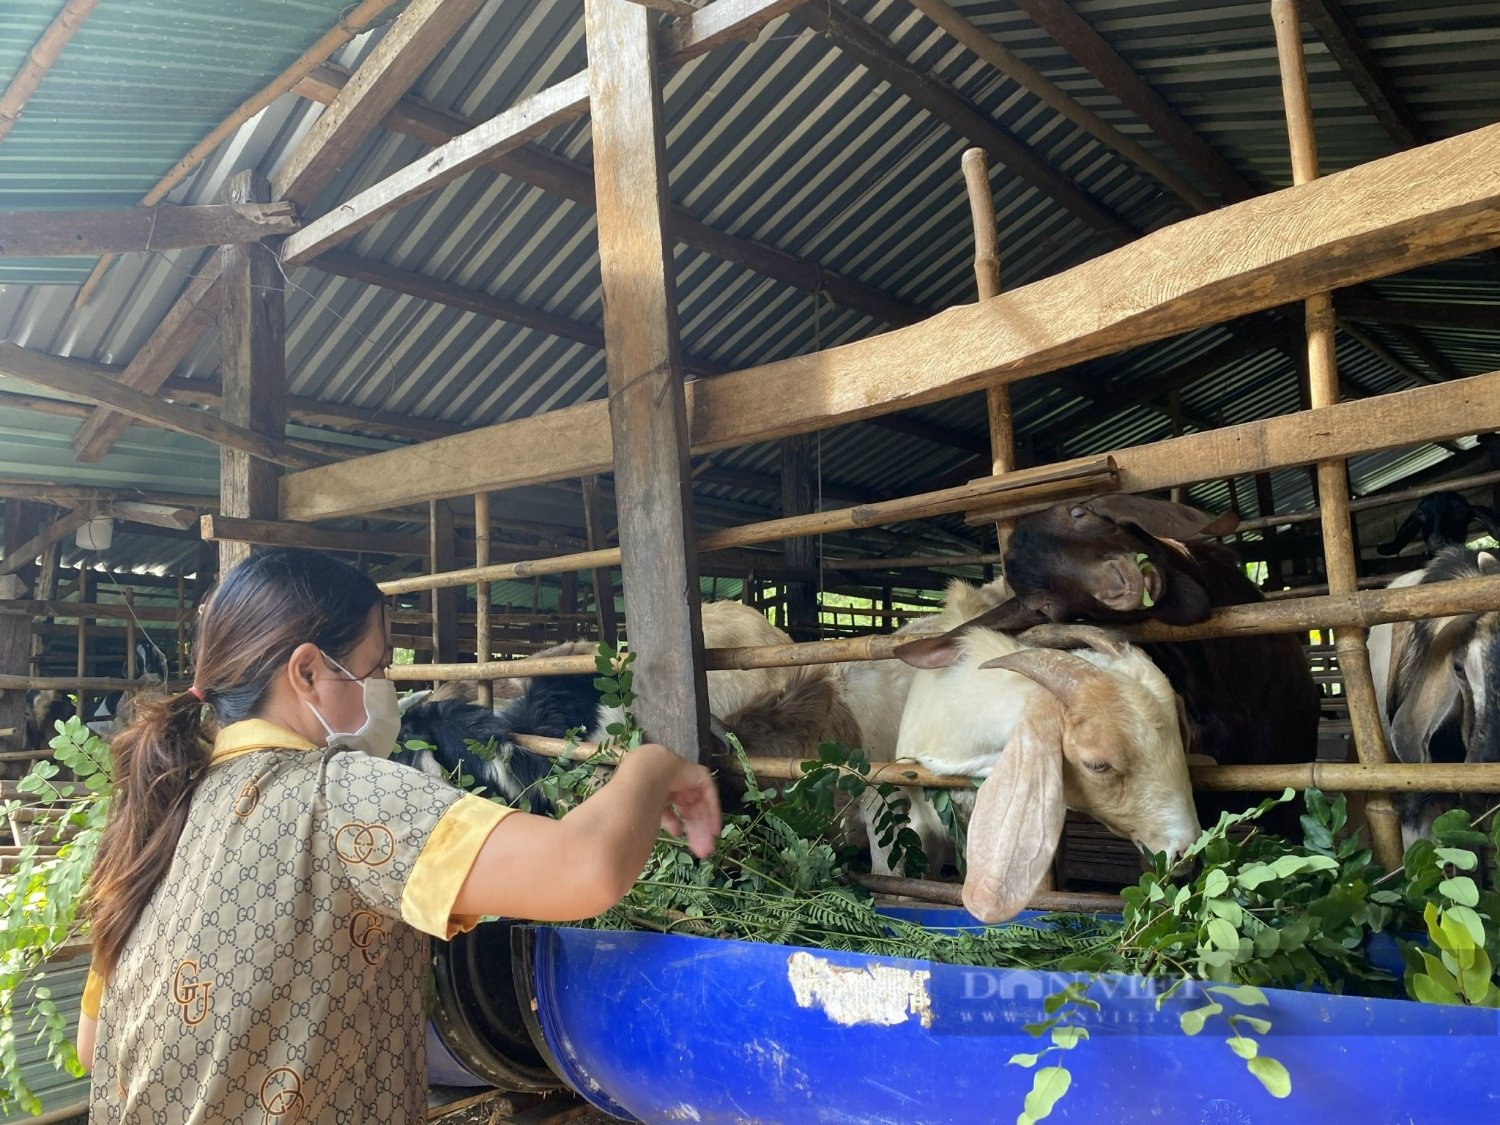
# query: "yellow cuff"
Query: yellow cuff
445,862
93,990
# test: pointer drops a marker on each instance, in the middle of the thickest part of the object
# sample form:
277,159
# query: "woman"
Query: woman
261,901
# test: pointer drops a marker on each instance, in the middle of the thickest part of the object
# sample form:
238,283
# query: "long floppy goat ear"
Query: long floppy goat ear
1404,534
1018,817
942,650
1161,519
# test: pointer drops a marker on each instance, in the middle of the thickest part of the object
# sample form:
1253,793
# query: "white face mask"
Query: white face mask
382,726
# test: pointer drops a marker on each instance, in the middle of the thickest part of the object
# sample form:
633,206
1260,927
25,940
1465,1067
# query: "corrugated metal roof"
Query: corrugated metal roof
787,142
55,1088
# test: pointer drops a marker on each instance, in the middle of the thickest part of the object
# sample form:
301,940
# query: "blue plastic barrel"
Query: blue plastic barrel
659,1028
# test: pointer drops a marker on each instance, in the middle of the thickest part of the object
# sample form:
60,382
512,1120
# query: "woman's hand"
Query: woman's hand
693,808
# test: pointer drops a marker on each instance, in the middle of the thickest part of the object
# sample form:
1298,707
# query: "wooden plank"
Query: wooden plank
1340,556
717,24
51,234
76,377
799,468
192,314
1349,429
643,363
484,647
252,362
269,533
1394,214
40,59
94,611
1074,34
872,51
397,60
529,118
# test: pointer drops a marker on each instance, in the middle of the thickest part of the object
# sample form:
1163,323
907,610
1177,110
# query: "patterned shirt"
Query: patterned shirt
277,974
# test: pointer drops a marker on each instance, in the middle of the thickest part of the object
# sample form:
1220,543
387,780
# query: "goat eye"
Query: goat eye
1078,511
1099,767
1460,671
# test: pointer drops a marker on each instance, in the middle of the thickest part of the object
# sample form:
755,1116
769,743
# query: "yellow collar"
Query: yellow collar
249,735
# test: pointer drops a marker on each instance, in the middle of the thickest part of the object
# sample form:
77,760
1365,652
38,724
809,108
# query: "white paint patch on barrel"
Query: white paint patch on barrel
881,995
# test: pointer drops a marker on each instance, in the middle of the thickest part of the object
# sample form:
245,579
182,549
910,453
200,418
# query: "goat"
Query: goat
1438,684
1442,519
1100,731
1116,559
44,710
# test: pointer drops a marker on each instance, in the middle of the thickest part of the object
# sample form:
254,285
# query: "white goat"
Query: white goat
1098,731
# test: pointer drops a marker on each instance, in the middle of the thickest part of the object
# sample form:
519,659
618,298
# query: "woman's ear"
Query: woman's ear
302,670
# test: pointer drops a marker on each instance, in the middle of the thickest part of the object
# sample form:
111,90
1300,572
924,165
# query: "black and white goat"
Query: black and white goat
1438,684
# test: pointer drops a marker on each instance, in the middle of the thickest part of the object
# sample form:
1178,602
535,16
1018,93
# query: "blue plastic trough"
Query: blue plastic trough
666,1028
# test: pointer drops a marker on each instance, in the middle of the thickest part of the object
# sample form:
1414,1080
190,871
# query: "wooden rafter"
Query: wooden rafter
48,234
60,528
1435,314
1074,34
1349,227
40,59
351,22
1343,41
876,54
85,381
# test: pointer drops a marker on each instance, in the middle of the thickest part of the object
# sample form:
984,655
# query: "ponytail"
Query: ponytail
158,761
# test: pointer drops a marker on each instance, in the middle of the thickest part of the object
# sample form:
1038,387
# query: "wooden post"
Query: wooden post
130,668
182,661
597,540
444,602
1333,481
252,361
647,403
81,656
483,645
1265,504
15,644
976,168
798,469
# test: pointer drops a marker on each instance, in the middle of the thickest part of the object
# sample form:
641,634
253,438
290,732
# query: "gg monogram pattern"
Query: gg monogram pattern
271,979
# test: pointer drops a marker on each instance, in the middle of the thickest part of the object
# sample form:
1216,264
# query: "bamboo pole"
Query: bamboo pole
1386,777
912,562
100,684
1021,489
951,894
483,647
41,58
1368,503
976,169
1292,615
1333,478
352,22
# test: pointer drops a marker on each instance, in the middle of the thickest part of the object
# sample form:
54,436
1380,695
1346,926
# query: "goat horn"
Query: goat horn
1063,636
1061,673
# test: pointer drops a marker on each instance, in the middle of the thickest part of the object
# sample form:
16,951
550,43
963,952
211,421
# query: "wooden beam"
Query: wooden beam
442,554
716,24
527,119
872,51
420,32
1392,215
71,495
83,380
87,234
1435,314
350,23
270,533
1343,41
1074,34
339,416
40,59
61,527
647,409
554,173
1349,429
192,314
252,357
799,467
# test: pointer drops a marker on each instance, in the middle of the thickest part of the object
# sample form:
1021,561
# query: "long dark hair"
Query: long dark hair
265,607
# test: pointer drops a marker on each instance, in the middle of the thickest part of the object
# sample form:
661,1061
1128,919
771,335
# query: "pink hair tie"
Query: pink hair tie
197,693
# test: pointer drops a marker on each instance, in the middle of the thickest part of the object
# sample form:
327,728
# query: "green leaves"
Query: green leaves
1048,1086
1272,1075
